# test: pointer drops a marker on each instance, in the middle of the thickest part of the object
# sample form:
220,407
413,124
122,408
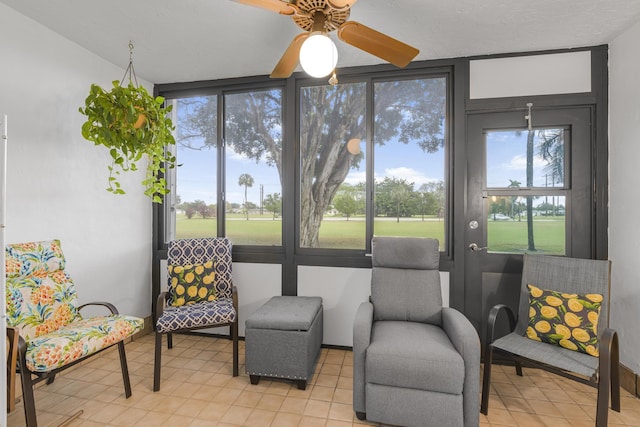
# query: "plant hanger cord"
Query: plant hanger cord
130,70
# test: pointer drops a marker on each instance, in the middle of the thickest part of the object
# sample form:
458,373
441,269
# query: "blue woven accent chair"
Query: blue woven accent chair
561,327
415,362
201,294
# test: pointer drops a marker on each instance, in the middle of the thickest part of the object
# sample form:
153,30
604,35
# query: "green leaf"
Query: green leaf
110,116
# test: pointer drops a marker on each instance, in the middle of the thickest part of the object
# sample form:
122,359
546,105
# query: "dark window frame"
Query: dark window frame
291,172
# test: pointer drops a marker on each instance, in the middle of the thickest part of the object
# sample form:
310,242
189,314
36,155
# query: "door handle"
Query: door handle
473,247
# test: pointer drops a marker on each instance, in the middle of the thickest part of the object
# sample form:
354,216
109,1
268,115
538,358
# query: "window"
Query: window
531,161
252,183
409,136
332,166
406,165
193,194
370,157
253,136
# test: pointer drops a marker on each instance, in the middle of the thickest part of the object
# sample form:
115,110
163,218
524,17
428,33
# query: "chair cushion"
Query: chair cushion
40,305
197,315
405,294
413,355
33,259
191,283
552,355
568,320
79,339
202,250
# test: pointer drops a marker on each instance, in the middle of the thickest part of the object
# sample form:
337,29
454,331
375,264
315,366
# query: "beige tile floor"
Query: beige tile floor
198,390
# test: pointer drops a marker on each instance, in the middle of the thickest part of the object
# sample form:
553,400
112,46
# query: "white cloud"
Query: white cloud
232,155
356,177
519,163
409,175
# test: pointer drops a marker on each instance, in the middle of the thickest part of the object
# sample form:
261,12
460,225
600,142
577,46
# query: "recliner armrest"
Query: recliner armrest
465,339
461,332
362,326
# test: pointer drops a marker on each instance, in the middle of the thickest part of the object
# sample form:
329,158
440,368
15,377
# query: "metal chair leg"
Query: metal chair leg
615,375
125,370
234,337
157,361
602,409
51,379
27,387
486,379
518,368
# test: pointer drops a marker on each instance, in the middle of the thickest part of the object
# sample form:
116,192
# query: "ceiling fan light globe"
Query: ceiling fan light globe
318,55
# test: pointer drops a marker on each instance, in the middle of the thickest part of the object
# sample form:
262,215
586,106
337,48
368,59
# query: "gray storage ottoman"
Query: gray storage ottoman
283,339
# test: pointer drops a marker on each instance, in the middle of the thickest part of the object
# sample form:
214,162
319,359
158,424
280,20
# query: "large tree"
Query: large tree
406,111
346,204
394,198
273,203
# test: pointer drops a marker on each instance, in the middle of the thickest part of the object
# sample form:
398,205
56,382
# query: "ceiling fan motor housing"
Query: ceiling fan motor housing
332,17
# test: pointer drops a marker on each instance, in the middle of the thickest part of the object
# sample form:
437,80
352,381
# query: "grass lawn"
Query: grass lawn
511,236
503,236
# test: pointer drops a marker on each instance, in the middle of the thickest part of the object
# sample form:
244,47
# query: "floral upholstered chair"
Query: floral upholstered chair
42,309
200,295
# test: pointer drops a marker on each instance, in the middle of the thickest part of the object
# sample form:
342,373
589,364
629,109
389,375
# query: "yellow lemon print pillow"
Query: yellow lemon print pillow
189,284
567,320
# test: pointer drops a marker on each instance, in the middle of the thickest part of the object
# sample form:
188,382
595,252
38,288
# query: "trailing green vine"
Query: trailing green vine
131,124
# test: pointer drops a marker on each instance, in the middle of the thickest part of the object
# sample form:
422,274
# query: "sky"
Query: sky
197,175
507,155
505,152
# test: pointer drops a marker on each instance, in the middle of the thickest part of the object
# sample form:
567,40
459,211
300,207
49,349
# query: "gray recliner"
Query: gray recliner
415,362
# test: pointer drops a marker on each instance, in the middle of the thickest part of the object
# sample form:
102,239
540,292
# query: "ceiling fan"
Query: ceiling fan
318,17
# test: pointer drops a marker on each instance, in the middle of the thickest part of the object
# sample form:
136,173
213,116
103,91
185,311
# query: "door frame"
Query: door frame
494,277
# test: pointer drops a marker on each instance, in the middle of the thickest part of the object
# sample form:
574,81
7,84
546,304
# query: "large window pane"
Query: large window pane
519,161
508,228
409,157
253,151
510,151
195,193
332,166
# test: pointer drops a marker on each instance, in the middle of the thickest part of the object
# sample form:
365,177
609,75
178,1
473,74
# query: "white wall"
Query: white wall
56,179
624,191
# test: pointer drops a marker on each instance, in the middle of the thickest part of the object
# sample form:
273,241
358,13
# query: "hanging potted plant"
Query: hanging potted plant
133,125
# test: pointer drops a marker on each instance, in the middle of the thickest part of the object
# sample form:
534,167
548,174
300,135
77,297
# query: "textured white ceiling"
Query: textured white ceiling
189,40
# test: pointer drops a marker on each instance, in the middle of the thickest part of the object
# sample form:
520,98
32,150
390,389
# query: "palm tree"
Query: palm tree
552,150
246,180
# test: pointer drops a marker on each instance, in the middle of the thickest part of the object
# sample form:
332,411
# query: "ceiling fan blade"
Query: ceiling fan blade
289,61
341,4
376,43
277,6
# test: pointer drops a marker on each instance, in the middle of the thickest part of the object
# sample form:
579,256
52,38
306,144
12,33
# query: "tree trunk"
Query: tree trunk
530,240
